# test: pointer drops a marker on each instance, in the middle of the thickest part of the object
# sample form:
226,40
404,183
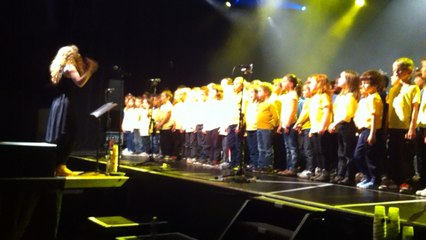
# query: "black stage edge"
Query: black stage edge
31,196
196,204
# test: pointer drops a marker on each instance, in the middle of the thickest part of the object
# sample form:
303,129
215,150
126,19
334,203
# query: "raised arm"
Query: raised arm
80,80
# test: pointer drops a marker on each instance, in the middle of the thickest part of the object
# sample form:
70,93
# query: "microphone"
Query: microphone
115,68
248,69
109,90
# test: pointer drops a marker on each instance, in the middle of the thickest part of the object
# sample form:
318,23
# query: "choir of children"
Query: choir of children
381,135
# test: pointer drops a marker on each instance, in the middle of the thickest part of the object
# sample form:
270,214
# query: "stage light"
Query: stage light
228,4
303,8
360,3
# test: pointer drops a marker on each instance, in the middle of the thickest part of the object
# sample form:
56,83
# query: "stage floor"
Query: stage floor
320,195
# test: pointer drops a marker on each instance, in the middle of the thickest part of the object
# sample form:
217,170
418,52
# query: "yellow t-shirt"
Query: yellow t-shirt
401,98
304,115
367,107
344,107
317,106
276,99
267,115
162,113
421,119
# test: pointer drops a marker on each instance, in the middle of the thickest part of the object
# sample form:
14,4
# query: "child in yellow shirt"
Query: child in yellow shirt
287,120
344,108
266,122
320,116
403,100
303,126
368,119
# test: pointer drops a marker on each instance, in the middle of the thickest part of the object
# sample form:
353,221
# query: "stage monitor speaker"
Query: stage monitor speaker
116,93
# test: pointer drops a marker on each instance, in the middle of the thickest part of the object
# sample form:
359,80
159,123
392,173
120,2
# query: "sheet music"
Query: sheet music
103,109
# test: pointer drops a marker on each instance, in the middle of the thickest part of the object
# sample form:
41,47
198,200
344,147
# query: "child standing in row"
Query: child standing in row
303,126
344,108
267,120
250,119
320,117
128,124
288,117
368,119
403,100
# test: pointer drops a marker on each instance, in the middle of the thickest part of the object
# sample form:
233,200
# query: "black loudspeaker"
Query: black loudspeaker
114,93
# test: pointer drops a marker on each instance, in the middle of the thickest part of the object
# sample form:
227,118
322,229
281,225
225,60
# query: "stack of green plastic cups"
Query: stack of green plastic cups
393,225
379,223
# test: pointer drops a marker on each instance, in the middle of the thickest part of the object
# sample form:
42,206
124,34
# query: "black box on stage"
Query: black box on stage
27,159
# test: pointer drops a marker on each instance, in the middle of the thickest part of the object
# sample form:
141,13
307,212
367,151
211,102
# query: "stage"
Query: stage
206,203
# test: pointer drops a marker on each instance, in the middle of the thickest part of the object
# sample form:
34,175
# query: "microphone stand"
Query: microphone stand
152,124
240,175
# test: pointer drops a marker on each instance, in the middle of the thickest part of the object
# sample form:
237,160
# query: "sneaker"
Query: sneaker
421,192
405,188
366,184
288,173
416,178
305,174
317,171
126,152
387,184
362,183
359,176
324,177
224,165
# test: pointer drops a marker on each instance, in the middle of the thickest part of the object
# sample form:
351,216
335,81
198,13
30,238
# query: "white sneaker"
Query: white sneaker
126,152
305,174
421,192
224,165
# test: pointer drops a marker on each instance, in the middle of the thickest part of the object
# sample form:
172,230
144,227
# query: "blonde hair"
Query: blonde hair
66,55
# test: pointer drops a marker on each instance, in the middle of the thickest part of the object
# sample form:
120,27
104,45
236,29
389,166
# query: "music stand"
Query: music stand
98,113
